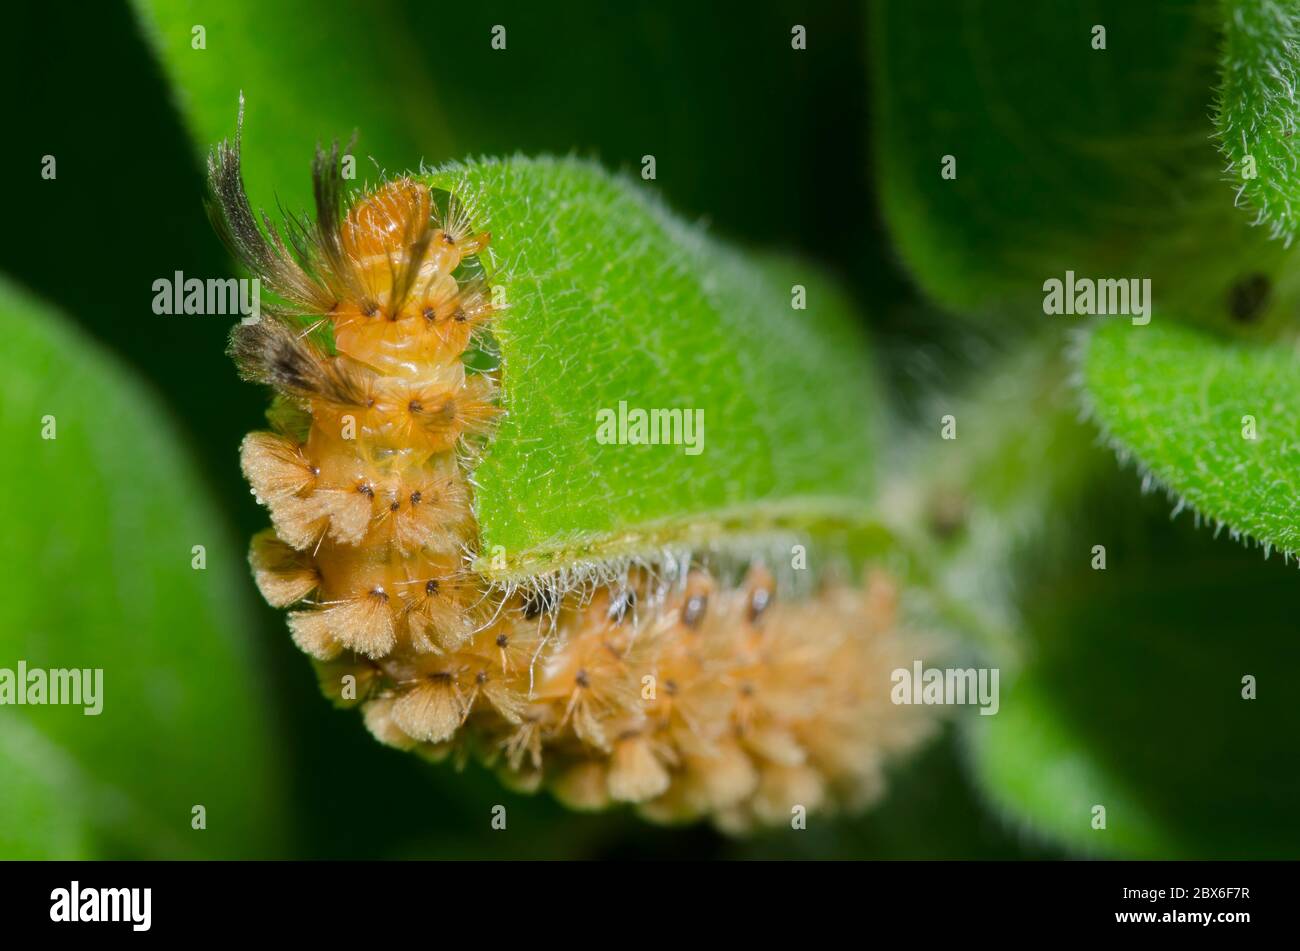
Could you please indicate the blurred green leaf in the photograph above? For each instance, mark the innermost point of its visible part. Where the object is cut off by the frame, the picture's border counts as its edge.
(614, 301)
(1067, 157)
(1256, 110)
(311, 73)
(1132, 696)
(100, 526)
(1212, 421)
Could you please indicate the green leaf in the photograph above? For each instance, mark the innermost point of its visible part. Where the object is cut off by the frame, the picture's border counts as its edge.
(1256, 109)
(1212, 421)
(1099, 161)
(1132, 698)
(285, 58)
(100, 523)
(614, 301)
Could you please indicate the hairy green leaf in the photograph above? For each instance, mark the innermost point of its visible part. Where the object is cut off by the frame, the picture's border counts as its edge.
(1067, 156)
(100, 527)
(311, 73)
(1212, 421)
(1257, 108)
(614, 303)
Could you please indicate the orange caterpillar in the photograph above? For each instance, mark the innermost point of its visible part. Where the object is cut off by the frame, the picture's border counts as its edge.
(675, 690)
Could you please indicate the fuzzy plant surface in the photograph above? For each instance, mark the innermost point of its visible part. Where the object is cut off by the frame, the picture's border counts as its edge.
(1206, 417)
(613, 301)
(1255, 111)
(1211, 422)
